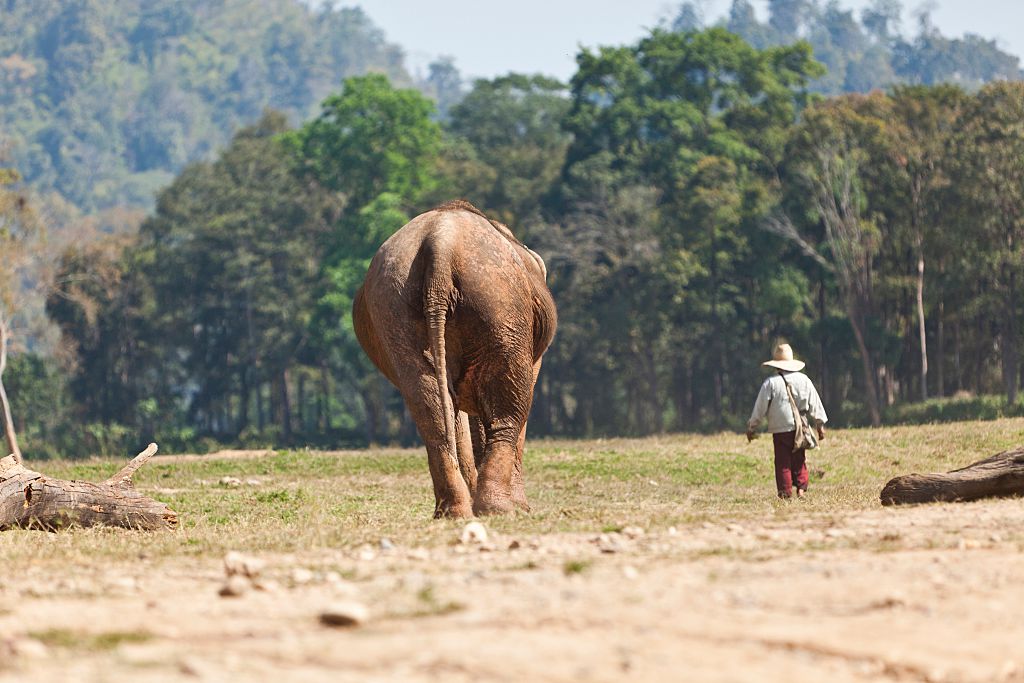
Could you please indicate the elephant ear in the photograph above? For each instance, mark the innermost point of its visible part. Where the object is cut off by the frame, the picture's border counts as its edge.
(545, 319)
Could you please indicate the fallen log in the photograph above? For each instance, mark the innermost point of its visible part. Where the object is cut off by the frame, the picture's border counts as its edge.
(1000, 476)
(30, 500)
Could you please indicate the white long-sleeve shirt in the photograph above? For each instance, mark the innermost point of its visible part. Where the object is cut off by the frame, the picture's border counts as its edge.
(773, 403)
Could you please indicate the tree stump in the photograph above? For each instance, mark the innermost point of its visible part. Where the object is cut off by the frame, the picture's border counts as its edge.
(1000, 476)
(31, 500)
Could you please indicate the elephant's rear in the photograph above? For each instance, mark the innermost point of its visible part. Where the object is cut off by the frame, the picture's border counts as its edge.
(455, 312)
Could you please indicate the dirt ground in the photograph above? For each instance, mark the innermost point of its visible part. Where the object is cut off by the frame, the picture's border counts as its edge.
(930, 593)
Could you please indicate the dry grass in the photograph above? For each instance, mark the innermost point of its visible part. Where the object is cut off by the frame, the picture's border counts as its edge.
(307, 501)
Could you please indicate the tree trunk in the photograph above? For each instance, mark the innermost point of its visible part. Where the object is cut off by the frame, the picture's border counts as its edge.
(10, 434)
(261, 419)
(300, 403)
(825, 377)
(281, 405)
(940, 355)
(1000, 476)
(956, 357)
(325, 391)
(870, 386)
(921, 326)
(1010, 365)
(32, 501)
(244, 396)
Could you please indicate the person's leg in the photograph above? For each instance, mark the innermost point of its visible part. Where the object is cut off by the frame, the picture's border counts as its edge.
(783, 443)
(799, 470)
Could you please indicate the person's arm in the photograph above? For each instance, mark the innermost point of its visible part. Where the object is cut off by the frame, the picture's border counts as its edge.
(760, 411)
(816, 411)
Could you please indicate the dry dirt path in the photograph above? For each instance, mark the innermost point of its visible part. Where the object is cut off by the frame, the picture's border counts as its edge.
(929, 593)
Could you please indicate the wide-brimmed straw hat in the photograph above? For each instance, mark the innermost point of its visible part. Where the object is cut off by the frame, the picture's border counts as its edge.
(783, 359)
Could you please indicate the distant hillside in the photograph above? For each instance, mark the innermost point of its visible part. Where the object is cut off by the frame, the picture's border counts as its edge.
(104, 101)
(867, 51)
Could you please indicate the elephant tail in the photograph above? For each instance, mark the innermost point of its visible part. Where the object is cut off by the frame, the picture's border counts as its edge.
(437, 297)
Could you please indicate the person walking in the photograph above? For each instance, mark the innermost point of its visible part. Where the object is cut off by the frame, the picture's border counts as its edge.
(773, 403)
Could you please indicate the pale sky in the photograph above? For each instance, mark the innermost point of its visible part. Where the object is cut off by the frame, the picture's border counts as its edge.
(492, 37)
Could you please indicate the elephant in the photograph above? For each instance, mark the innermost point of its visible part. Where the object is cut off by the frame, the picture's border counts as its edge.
(456, 313)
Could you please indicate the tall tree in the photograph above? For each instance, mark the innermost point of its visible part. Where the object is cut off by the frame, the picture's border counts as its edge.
(832, 150)
(988, 167)
(370, 139)
(19, 251)
(513, 126)
(703, 117)
(924, 122)
(377, 146)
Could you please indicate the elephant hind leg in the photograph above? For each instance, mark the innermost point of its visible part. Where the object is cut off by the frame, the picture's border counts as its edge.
(452, 495)
(467, 450)
(496, 476)
(518, 488)
(479, 438)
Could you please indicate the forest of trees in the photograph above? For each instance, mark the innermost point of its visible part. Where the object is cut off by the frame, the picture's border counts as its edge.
(695, 196)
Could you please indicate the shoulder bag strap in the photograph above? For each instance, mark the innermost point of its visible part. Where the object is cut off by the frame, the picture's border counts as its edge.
(792, 401)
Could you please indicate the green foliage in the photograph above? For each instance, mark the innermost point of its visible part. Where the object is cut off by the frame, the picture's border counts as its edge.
(371, 139)
(694, 201)
(865, 54)
(507, 146)
(104, 102)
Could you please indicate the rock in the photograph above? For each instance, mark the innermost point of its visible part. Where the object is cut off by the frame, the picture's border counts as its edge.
(386, 545)
(633, 532)
(192, 667)
(301, 576)
(893, 600)
(474, 533)
(608, 543)
(124, 583)
(28, 648)
(230, 482)
(236, 586)
(237, 564)
(367, 554)
(345, 614)
(266, 585)
(672, 531)
(418, 554)
(253, 482)
(515, 545)
(630, 572)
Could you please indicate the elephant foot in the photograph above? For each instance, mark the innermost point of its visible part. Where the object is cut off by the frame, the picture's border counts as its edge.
(492, 506)
(462, 510)
(519, 498)
(499, 503)
(490, 501)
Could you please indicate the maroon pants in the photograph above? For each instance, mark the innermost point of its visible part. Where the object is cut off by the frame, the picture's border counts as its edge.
(790, 467)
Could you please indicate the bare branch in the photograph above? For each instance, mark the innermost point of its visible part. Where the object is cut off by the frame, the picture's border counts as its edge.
(124, 477)
(781, 225)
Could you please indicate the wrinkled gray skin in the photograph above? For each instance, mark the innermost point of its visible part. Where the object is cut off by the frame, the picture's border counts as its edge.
(456, 313)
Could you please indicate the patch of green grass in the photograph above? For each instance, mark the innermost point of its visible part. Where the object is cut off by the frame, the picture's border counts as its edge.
(88, 642)
(429, 605)
(308, 501)
(572, 567)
